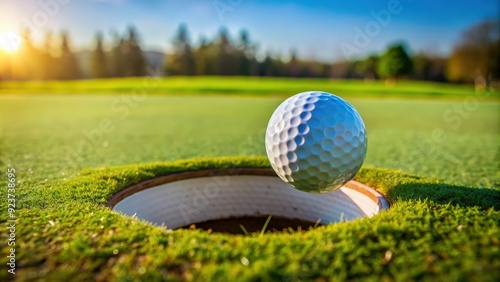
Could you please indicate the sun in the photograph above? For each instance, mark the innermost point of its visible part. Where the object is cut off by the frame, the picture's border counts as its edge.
(9, 41)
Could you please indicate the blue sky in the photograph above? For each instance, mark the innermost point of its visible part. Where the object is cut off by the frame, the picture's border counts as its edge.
(317, 29)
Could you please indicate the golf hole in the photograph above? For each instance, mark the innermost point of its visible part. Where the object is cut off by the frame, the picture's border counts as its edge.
(242, 200)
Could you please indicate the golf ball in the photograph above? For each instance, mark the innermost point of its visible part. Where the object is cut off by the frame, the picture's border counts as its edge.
(316, 141)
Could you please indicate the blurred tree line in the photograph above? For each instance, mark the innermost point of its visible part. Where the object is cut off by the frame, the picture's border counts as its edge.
(475, 57)
(227, 56)
(43, 63)
(50, 62)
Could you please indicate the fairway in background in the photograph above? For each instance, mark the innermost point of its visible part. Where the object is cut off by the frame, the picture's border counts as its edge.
(251, 86)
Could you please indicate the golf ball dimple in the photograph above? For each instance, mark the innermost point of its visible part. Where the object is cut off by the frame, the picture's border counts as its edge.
(316, 141)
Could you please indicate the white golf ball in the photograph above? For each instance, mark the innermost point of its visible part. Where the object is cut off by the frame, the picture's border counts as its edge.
(316, 141)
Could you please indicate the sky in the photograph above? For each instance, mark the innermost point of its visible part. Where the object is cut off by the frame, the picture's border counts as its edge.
(322, 30)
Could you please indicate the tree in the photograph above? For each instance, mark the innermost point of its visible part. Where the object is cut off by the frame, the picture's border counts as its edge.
(225, 61)
(394, 63)
(117, 58)
(340, 70)
(201, 57)
(99, 59)
(278, 66)
(266, 67)
(428, 67)
(477, 54)
(68, 64)
(368, 67)
(181, 62)
(421, 65)
(48, 63)
(27, 64)
(245, 54)
(5, 67)
(136, 63)
(293, 64)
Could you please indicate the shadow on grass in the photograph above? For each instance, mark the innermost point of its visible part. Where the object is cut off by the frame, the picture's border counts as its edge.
(445, 193)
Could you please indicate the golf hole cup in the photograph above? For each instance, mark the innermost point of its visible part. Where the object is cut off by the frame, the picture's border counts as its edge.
(316, 141)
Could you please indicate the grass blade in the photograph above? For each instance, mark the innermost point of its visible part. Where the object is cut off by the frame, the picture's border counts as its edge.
(265, 224)
(317, 223)
(244, 230)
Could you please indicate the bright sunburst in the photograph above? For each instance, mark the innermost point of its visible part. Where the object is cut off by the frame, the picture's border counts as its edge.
(10, 41)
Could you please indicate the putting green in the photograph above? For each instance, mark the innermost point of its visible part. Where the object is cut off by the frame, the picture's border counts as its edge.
(432, 231)
(49, 136)
(64, 231)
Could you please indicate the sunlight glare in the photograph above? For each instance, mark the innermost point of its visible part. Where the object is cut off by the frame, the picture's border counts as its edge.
(10, 41)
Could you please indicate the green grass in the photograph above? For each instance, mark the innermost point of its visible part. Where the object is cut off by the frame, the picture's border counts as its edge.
(39, 134)
(443, 224)
(66, 232)
(243, 85)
